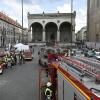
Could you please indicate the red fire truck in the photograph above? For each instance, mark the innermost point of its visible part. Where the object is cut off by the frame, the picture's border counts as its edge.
(69, 82)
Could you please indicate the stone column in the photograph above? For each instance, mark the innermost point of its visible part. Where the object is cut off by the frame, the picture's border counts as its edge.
(73, 36)
(43, 36)
(58, 35)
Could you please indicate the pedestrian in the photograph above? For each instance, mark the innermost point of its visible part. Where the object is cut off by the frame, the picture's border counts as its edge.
(48, 91)
(21, 57)
(15, 58)
(18, 58)
(12, 60)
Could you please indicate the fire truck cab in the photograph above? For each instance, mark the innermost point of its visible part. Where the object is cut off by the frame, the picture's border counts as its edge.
(45, 56)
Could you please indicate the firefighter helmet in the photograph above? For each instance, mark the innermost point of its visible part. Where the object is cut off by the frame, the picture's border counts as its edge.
(49, 84)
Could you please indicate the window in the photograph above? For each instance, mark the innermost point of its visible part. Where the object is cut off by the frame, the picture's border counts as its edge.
(97, 37)
(97, 30)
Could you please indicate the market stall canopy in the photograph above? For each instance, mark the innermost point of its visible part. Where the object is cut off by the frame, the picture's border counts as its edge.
(18, 45)
(21, 47)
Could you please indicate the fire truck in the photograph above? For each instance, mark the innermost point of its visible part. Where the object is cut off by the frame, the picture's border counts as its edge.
(73, 79)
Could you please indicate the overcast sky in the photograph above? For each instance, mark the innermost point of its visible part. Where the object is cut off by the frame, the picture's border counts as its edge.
(13, 9)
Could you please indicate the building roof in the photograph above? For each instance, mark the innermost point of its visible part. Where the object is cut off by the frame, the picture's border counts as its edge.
(9, 20)
(82, 30)
(43, 15)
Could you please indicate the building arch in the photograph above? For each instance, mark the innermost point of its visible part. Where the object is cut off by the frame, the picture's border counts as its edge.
(65, 32)
(51, 31)
(37, 31)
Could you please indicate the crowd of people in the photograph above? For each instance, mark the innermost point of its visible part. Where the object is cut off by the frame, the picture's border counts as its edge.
(11, 59)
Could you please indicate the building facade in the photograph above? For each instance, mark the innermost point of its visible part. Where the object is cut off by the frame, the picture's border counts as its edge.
(10, 30)
(81, 35)
(93, 20)
(48, 27)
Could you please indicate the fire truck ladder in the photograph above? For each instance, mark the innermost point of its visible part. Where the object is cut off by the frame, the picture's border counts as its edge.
(90, 70)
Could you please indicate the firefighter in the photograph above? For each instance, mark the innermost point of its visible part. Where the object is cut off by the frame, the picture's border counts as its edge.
(15, 58)
(12, 59)
(48, 91)
(9, 59)
(21, 58)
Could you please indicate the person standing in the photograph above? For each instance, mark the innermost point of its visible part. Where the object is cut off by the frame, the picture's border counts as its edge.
(48, 91)
(15, 58)
(9, 60)
(21, 56)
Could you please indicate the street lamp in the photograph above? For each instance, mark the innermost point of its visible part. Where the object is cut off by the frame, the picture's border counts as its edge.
(71, 21)
(22, 20)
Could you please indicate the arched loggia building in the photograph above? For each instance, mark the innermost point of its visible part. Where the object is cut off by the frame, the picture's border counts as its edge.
(37, 30)
(51, 31)
(65, 32)
(58, 27)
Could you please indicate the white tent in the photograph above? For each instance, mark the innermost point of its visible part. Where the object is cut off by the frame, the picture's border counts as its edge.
(21, 47)
(18, 45)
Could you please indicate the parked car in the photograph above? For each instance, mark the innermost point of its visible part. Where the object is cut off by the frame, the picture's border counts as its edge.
(2, 65)
(89, 54)
(97, 55)
(28, 55)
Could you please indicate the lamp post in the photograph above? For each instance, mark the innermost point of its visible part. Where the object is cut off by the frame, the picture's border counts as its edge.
(22, 21)
(71, 21)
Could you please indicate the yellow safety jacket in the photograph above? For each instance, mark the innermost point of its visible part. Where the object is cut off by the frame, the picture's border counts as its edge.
(8, 58)
(48, 92)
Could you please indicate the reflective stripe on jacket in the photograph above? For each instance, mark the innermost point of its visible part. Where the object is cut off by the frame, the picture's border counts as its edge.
(48, 92)
(8, 58)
